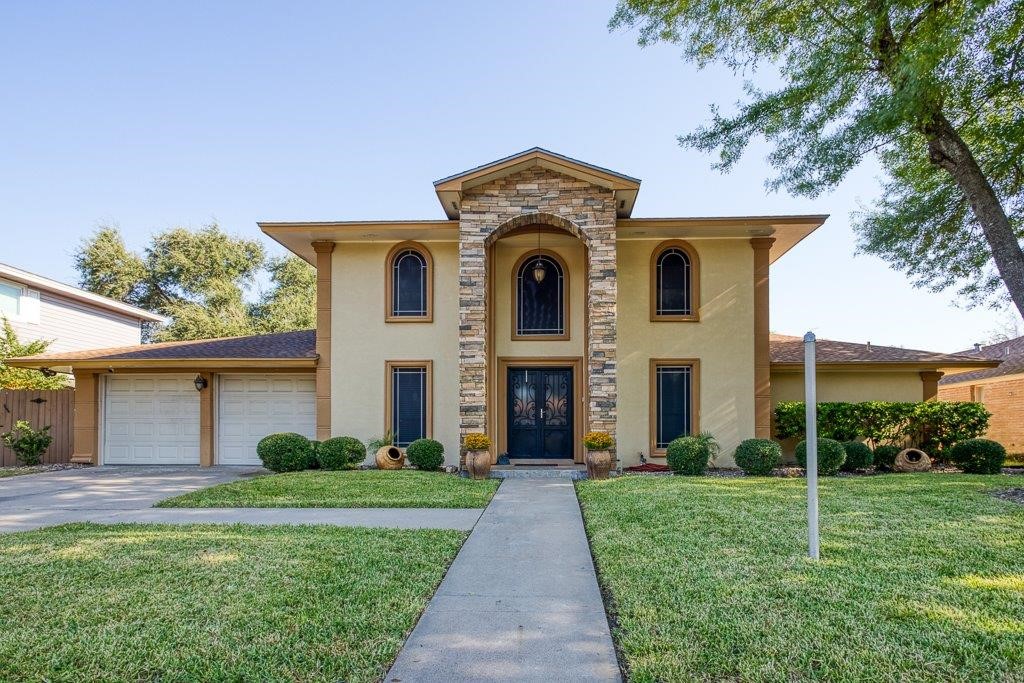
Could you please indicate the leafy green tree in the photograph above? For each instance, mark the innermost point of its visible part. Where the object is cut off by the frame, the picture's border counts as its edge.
(24, 378)
(934, 87)
(200, 280)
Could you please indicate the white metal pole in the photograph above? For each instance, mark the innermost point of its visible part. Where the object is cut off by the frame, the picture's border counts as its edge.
(811, 404)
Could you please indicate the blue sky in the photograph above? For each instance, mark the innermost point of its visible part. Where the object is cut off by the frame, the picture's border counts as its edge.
(150, 116)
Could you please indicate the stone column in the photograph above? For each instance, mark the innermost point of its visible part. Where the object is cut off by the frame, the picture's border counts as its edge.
(930, 384)
(602, 293)
(324, 254)
(762, 330)
(472, 327)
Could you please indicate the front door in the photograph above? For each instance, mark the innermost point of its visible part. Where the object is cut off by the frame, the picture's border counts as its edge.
(540, 413)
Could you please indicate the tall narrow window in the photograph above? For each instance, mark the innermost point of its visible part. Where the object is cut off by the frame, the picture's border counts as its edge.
(541, 289)
(673, 402)
(409, 287)
(675, 282)
(408, 401)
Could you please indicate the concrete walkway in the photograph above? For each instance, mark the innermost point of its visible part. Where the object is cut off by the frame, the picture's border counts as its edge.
(121, 495)
(520, 602)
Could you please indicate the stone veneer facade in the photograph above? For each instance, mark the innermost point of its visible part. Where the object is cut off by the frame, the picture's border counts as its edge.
(531, 197)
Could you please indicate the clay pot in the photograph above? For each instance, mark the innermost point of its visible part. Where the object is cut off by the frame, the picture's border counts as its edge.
(390, 458)
(912, 460)
(599, 464)
(478, 464)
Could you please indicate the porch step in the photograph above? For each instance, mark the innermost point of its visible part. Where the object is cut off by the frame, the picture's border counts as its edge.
(521, 472)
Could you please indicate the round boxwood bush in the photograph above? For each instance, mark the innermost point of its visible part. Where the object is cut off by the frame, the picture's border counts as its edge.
(341, 453)
(858, 456)
(885, 456)
(758, 457)
(831, 456)
(285, 452)
(689, 455)
(425, 454)
(978, 456)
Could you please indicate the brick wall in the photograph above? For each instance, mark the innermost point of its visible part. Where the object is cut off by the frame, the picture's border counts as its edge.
(537, 195)
(1004, 398)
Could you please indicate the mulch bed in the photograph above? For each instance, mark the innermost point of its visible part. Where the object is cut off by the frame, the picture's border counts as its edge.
(1012, 495)
(56, 467)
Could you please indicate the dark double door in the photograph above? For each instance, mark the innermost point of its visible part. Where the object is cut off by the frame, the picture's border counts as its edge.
(540, 414)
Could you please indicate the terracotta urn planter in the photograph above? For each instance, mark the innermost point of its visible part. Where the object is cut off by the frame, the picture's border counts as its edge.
(599, 464)
(478, 464)
(390, 458)
(912, 460)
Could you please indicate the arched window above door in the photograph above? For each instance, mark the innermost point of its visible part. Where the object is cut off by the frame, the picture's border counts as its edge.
(675, 282)
(541, 287)
(409, 284)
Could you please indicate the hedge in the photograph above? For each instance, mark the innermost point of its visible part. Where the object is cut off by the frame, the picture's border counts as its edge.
(341, 453)
(858, 456)
(285, 452)
(690, 454)
(757, 457)
(426, 454)
(978, 456)
(933, 426)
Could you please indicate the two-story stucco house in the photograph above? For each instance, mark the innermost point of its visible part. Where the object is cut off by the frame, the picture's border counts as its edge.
(536, 310)
(72, 319)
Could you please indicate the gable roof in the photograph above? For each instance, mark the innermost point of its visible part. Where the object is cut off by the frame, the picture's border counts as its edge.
(296, 348)
(787, 350)
(449, 189)
(23, 277)
(1010, 353)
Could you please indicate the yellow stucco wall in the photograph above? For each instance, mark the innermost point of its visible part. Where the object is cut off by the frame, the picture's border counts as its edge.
(723, 341)
(362, 342)
(849, 386)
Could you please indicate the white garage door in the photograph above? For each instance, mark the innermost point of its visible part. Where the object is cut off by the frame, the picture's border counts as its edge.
(253, 406)
(150, 420)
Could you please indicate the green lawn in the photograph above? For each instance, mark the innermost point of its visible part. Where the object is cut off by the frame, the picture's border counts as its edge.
(87, 602)
(345, 489)
(921, 578)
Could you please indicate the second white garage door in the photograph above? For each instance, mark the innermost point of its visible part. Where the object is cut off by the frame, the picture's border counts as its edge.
(150, 420)
(252, 406)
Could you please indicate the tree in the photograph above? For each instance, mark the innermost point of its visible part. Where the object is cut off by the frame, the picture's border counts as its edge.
(24, 378)
(201, 281)
(934, 88)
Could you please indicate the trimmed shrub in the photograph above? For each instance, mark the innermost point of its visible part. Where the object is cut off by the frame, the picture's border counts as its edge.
(425, 454)
(758, 457)
(285, 452)
(341, 453)
(885, 456)
(858, 456)
(978, 456)
(831, 456)
(690, 455)
(28, 444)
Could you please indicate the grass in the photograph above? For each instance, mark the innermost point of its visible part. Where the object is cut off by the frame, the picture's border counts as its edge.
(214, 603)
(344, 489)
(921, 578)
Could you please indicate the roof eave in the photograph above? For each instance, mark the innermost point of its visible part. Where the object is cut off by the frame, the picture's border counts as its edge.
(154, 363)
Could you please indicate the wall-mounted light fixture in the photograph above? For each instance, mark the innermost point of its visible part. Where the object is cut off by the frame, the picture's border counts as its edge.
(47, 372)
(200, 383)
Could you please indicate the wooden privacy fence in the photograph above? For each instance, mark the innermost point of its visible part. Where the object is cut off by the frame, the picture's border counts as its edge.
(54, 408)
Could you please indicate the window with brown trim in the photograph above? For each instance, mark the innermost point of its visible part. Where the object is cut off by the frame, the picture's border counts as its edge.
(409, 284)
(675, 282)
(674, 401)
(540, 286)
(408, 401)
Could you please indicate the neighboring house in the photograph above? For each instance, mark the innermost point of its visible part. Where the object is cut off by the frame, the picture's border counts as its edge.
(537, 310)
(72, 318)
(1001, 389)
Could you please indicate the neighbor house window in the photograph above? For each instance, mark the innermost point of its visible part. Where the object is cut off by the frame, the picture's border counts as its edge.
(675, 282)
(10, 300)
(409, 397)
(674, 396)
(541, 295)
(409, 287)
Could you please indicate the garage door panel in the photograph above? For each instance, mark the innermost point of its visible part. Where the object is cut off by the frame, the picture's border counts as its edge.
(252, 406)
(151, 420)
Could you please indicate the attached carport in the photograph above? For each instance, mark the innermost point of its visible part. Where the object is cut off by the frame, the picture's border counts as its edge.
(199, 402)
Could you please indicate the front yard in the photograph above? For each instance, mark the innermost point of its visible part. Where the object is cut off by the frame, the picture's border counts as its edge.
(342, 489)
(144, 602)
(921, 578)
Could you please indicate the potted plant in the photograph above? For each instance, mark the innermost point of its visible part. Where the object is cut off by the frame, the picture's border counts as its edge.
(386, 454)
(599, 454)
(478, 454)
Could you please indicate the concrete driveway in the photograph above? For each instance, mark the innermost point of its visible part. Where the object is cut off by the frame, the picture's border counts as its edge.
(113, 493)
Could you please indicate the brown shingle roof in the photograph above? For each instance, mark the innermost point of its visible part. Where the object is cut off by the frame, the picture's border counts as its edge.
(280, 345)
(1010, 353)
(787, 349)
